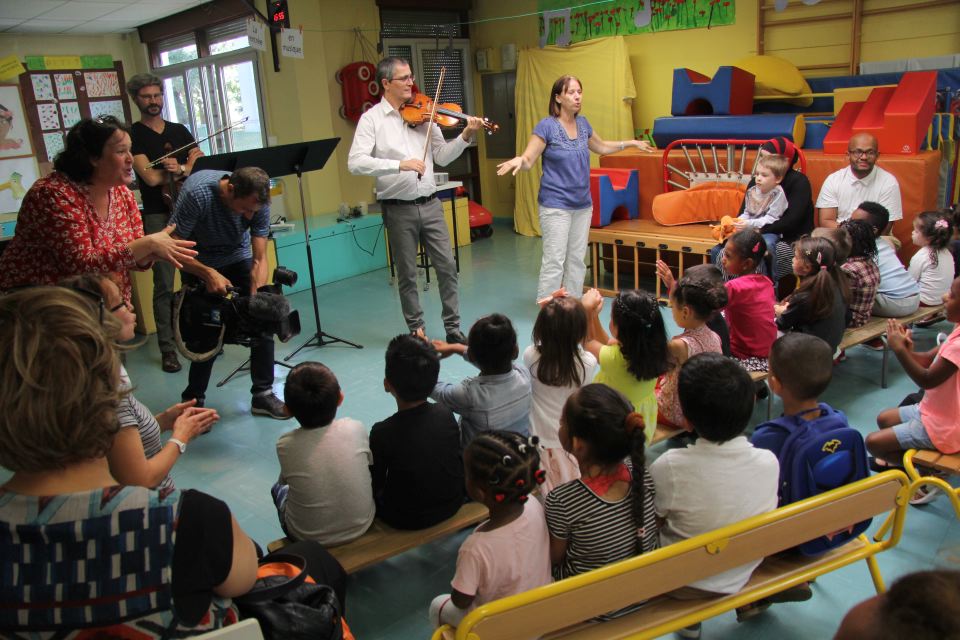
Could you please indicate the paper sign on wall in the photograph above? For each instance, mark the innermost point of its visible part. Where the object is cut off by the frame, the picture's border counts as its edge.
(10, 67)
(257, 35)
(291, 43)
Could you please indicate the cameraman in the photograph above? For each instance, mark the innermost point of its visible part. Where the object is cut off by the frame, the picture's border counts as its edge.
(228, 215)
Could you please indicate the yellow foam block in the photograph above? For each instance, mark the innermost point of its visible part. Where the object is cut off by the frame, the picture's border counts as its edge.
(843, 95)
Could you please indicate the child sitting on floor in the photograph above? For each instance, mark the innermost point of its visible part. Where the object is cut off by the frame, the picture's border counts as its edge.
(636, 356)
(499, 398)
(750, 299)
(607, 514)
(693, 300)
(323, 493)
(417, 467)
(819, 305)
(558, 366)
(510, 552)
(719, 479)
(934, 423)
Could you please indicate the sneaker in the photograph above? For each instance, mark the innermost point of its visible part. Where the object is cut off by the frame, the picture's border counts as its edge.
(169, 362)
(925, 495)
(693, 631)
(456, 337)
(198, 405)
(800, 593)
(752, 610)
(839, 356)
(269, 405)
(877, 344)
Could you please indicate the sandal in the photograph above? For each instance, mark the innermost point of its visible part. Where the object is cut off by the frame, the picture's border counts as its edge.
(925, 495)
(880, 465)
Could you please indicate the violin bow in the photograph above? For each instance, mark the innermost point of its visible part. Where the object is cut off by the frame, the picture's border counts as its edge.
(433, 111)
(154, 163)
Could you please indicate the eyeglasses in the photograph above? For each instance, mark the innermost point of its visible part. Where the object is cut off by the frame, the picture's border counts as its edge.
(121, 305)
(862, 153)
(407, 78)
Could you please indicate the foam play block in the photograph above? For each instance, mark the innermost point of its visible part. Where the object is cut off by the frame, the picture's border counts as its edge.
(898, 116)
(843, 95)
(616, 195)
(729, 92)
(752, 127)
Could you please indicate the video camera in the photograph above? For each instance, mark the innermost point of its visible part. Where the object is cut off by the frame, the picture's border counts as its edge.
(202, 320)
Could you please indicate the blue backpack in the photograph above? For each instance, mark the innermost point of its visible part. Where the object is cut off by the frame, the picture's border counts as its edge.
(816, 456)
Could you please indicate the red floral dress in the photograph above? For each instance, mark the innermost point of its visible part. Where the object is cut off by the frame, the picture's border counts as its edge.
(59, 234)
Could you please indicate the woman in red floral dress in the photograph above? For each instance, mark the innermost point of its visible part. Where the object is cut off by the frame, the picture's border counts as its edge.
(82, 218)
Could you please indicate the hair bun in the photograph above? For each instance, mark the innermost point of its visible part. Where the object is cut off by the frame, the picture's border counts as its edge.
(632, 422)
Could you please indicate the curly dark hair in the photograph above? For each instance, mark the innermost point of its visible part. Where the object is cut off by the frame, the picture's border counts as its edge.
(85, 142)
(863, 242)
(937, 228)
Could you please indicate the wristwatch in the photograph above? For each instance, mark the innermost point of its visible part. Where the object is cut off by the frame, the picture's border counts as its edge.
(180, 444)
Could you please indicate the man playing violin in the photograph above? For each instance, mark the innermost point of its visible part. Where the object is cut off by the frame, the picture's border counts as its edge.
(152, 138)
(388, 149)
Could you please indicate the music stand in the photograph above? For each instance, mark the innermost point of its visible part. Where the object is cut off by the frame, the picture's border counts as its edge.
(296, 158)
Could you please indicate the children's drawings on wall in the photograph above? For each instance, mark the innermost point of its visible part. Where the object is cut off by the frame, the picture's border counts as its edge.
(42, 87)
(562, 25)
(17, 175)
(14, 137)
(107, 108)
(101, 84)
(70, 112)
(49, 116)
(66, 90)
(53, 143)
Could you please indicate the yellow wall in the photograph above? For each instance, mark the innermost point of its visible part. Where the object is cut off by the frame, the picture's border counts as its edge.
(123, 47)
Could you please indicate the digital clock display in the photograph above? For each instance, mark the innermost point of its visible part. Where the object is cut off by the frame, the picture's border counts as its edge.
(279, 13)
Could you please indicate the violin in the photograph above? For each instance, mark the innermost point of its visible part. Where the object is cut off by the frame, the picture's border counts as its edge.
(170, 190)
(448, 114)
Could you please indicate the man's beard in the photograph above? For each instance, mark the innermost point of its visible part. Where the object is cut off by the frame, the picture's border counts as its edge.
(151, 110)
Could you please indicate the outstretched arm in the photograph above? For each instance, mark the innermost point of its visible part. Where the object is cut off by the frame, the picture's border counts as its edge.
(601, 147)
(525, 160)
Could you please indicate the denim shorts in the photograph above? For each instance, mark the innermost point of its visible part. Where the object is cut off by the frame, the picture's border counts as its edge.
(911, 433)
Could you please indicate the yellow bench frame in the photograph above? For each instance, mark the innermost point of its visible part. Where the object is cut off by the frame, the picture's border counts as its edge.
(558, 610)
(945, 462)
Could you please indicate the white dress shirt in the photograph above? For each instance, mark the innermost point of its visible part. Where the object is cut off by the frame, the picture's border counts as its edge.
(383, 140)
(845, 191)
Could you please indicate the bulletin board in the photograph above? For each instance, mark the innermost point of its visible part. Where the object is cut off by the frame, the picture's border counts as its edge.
(18, 169)
(56, 99)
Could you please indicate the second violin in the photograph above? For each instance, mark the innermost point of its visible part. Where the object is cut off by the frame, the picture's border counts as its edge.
(448, 114)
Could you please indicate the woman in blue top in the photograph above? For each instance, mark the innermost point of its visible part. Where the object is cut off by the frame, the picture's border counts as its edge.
(565, 139)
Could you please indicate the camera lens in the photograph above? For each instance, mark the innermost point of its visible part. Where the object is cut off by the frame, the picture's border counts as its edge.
(284, 276)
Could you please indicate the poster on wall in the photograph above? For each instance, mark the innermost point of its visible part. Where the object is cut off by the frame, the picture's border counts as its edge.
(101, 84)
(14, 139)
(561, 24)
(107, 108)
(66, 90)
(16, 176)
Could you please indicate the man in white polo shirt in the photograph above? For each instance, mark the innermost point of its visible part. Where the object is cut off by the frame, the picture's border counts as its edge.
(844, 190)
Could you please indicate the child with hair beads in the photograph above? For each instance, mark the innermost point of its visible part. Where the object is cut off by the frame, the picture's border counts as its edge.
(607, 514)
(323, 493)
(693, 300)
(510, 552)
(862, 270)
(417, 469)
(932, 265)
(819, 304)
(719, 479)
(750, 299)
(499, 398)
(637, 355)
(558, 366)
(934, 423)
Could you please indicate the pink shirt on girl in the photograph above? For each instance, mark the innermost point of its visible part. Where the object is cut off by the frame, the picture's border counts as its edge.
(940, 407)
(508, 560)
(750, 316)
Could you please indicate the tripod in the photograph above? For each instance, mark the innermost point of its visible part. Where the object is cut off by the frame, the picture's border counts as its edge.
(296, 158)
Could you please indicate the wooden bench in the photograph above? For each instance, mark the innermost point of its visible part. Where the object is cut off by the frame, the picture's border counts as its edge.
(876, 327)
(381, 541)
(559, 610)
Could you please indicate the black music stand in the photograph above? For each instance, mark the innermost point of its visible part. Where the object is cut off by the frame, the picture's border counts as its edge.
(296, 158)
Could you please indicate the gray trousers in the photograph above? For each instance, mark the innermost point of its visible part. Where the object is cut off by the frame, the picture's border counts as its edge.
(410, 225)
(887, 307)
(163, 273)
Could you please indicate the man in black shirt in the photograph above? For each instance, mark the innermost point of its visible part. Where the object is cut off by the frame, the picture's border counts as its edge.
(152, 138)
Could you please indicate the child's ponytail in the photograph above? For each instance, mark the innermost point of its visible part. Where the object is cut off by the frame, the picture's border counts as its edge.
(634, 427)
(825, 279)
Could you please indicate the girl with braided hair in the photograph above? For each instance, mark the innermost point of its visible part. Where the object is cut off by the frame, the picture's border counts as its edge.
(608, 514)
(862, 270)
(636, 355)
(509, 553)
